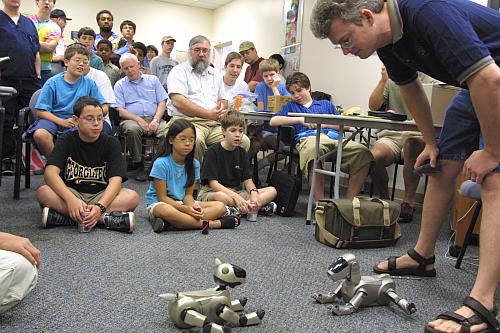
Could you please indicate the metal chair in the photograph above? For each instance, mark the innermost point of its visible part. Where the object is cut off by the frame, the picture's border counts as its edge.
(4, 91)
(471, 190)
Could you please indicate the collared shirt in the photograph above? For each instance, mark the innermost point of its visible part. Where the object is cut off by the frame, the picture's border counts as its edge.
(112, 72)
(48, 31)
(20, 43)
(252, 73)
(450, 40)
(140, 97)
(104, 84)
(202, 89)
(114, 39)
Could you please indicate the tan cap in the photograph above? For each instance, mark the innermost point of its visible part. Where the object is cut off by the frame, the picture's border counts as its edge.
(247, 45)
(167, 38)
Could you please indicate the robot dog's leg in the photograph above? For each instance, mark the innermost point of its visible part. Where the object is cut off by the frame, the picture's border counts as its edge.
(194, 318)
(351, 306)
(237, 305)
(248, 319)
(326, 298)
(407, 307)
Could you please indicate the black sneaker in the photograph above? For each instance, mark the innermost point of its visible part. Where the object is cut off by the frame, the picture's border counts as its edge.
(268, 209)
(7, 167)
(120, 221)
(232, 211)
(158, 224)
(52, 218)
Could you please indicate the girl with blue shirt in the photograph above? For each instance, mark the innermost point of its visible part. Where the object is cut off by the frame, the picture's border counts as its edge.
(173, 175)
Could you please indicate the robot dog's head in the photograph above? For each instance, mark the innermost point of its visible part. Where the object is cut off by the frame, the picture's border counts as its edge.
(228, 274)
(341, 267)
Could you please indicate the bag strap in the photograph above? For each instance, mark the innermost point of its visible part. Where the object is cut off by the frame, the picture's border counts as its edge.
(356, 204)
(324, 234)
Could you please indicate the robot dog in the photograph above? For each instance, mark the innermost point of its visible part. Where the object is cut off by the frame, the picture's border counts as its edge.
(211, 308)
(353, 290)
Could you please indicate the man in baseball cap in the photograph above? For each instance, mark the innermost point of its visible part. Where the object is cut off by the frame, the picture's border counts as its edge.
(163, 64)
(250, 56)
(58, 16)
(59, 13)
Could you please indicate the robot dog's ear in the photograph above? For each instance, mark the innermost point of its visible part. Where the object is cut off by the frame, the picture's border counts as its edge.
(217, 261)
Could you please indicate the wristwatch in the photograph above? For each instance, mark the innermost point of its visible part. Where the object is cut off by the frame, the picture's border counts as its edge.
(101, 207)
(254, 189)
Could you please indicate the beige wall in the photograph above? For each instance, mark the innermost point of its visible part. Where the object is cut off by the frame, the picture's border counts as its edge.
(154, 19)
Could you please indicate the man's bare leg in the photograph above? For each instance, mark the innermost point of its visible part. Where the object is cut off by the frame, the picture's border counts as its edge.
(356, 181)
(411, 149)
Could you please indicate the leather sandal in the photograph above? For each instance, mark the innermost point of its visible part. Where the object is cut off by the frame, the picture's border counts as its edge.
(417, 271)
(229, 222)
(482, 315)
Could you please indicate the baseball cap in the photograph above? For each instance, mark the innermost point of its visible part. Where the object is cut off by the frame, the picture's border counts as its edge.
(167, 38)
(247, 45)
(57, 13)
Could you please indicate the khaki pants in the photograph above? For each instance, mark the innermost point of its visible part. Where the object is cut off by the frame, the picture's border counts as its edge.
(133, 136)
(17, 278)
(206, 191)
(208, 132)
(354, 155)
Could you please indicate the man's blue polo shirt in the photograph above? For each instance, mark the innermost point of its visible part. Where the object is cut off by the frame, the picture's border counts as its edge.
(317, 107)
(449, 40)
(20, 43)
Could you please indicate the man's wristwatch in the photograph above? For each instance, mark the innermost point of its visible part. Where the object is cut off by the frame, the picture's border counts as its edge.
(254, 189)
(101, 207)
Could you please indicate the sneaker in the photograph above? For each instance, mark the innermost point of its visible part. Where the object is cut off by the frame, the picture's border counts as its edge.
(406, 214)
(7, 167)
(232, 211)
(158, 224)
(52, 218)
(120, 221)
(268, 209)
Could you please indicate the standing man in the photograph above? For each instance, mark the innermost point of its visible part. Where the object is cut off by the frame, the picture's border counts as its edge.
(49, 34)
(161, 65)
(22, 71)
(105, 23)
(457, 42)
(197, 92)
(140, 100)
(250, 56)
(127, 29)
(58, 16)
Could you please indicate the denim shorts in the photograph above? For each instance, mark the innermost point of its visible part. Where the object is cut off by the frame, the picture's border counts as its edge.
(461, 134)
(57, 130)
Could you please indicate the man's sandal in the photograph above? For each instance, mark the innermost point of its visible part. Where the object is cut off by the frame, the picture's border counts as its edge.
(418, 271)
(482, 315)
(229, 222)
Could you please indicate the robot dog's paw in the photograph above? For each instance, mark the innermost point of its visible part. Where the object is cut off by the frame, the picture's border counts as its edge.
(254, 318)
(215, 328)
(325, 298)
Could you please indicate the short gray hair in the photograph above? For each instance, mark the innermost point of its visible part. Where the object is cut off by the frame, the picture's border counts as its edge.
(325, 11)
(199, 39)
(127, 56)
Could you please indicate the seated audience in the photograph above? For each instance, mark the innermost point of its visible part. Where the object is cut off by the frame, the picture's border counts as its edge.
(83, 177)
(174, 174)
(106, 90)
(281, 61)
(391, 146)
(54, 106)
(252, 73)
(226, 167)
(104, 50)
(19, 260)
(105, 22)
(86, 36)
(163, 64)
(152, 52)
(140, 100)
(127, 29)
(356, 158)
(232, 85)
(197, 92)
(139, 49)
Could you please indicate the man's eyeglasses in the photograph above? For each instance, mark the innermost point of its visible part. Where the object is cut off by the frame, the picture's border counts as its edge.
(183, 139)
(91, 120)
(346, 43)
(48, 1)
(80, 61)
(200, 50)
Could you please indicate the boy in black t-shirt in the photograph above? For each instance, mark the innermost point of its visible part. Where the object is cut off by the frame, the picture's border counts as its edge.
(84, 174)
(226, 167)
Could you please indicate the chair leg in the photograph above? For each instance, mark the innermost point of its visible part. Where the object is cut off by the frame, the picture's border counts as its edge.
(17, 170)
(27, 163)
(468, 235)
(396, 166)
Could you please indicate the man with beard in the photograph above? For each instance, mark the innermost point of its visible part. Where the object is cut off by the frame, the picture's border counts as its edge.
(105, 22)
(197, 92)
(140, 100)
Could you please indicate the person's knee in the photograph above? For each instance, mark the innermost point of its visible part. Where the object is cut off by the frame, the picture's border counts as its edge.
(131, 198)
(490, 188)
(220, 196)
(42, 136)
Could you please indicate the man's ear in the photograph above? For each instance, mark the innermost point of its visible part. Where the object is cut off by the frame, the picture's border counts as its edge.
(75, 119)
(368, 15)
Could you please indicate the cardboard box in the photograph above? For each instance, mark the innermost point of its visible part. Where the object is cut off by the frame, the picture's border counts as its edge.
(275, 103)
(442, 95)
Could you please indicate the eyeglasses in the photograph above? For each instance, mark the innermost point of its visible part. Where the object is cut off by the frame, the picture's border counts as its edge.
(183, 139)
(346, 43)
(200, 50)
(91, 120)
(80, 61)
(48, 1)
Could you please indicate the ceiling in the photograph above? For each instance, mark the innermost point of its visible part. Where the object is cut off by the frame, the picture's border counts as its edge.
(208, 4)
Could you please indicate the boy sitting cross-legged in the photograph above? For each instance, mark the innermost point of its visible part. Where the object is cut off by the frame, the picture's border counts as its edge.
(356, 158)
(226, 167)
(84, 174)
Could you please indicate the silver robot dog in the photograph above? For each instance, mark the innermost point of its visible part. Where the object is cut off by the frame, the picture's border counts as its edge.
(210, 308)
(353, 290)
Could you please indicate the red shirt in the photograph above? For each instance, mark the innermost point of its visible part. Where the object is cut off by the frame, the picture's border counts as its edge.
(252, 73)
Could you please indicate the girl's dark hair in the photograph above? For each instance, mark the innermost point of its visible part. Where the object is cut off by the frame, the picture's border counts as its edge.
(165, 150)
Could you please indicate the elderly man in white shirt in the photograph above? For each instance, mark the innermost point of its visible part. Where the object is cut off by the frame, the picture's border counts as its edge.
(197, 91)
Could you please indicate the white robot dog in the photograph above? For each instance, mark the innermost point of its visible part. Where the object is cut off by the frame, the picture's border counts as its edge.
(211, 308)
(353, 290)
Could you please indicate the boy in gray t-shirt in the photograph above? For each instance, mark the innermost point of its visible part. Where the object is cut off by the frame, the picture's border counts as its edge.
(162, 65)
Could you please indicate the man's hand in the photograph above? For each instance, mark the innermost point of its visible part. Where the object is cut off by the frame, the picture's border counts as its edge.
(240, 203)
(254, 201)
(428, 155)
(216, 112)
(308, 125)
(153, 126)
(478, 165)
(91, 216)
(276, 81)
(68, 123)
(144, 125)
(196, 211)
(76, 209)
(22, 246)
(383, 74)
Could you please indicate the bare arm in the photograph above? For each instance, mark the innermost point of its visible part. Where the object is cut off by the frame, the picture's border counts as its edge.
(376, 99)
(252, 85)
(110, 193)
(160, 110)
(161, 192)
(49, 46)
(22, 246)
(43, 114)
(283, 120)
(125, 114)
(38, 64)
(238, 201)
(191, 109)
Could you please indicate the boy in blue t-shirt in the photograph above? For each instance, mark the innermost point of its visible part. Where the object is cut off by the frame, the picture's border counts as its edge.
(271, 86)
(356, 158)
(55, 104)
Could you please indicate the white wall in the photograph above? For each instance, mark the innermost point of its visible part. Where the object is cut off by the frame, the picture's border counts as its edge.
(154, 19)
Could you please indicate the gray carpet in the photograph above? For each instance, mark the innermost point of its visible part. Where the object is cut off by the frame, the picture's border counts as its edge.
(107, 281)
